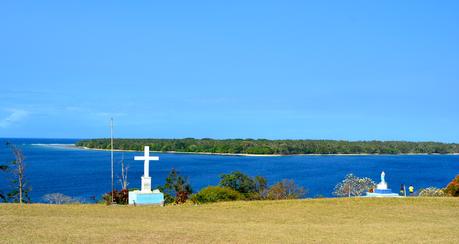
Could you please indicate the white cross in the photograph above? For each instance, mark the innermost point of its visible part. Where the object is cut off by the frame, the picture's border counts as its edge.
(146, 158)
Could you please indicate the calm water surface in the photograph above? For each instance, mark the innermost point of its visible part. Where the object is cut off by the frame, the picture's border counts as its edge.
(86, 173)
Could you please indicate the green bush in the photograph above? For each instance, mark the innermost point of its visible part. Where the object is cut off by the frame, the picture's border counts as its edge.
(216, 194)
(177, 188)
(432, 192)
(239, 182)
(251, 188)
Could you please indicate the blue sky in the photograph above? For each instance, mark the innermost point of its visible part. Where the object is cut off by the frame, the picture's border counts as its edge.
(353, 70)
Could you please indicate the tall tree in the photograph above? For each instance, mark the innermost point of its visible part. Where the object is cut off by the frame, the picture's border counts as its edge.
(21, 189)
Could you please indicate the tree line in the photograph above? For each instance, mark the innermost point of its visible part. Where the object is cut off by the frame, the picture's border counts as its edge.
(233, 186)
(282, 147)
(237, 186)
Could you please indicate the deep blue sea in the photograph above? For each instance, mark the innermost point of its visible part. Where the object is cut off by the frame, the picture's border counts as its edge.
(86, 173)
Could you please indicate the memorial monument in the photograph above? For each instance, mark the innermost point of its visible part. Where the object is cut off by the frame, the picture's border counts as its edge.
(381, 189)
(146, 195)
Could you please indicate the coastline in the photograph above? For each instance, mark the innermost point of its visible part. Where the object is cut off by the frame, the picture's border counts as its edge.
(72, 146)
(197, 153)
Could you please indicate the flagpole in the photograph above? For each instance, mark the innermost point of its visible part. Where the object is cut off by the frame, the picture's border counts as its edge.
(111, 142)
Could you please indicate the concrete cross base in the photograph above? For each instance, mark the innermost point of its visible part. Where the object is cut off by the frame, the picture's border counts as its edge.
(146, 185)
(144, 198)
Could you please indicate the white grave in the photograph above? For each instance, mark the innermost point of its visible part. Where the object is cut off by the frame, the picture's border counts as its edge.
(381, 189)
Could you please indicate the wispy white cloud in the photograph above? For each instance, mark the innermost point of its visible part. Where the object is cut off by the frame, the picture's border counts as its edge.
(91, 112)
(106, 114)
(16, 115)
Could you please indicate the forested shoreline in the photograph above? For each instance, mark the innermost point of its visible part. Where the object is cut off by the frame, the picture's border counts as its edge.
(274, 147)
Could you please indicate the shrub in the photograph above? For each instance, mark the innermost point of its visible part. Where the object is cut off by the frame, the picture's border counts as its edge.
(252, 188)
(285, 189)
(216, 194)
(120, 197)
(58, 198)
(261, 186)
(177, 188)
(432, 192)
(353, 186)
(238, 181)
(181, 197)
(452, 188)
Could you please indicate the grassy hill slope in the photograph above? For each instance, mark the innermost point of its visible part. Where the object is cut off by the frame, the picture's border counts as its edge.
(318, 220)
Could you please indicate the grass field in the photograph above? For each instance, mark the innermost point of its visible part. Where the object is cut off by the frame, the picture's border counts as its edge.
(419, 220)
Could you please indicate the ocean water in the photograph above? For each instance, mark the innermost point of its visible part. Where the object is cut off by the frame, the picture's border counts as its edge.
(85, 174)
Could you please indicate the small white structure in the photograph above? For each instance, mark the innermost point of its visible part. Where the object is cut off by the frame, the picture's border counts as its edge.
(382, 185)
(146, 195)
(382, 190)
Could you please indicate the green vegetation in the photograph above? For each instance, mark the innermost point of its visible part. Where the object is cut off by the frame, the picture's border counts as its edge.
(285, 189)
(216, 194)
(339, 220)
(250, 188)
(177, 188)
(119, 197)
(239, 186)
(282, 147)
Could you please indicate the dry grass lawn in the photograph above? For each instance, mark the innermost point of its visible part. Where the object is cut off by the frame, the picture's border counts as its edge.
(410, 220)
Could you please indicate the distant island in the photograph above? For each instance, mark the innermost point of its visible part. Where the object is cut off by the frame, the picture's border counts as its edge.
(273, 147)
